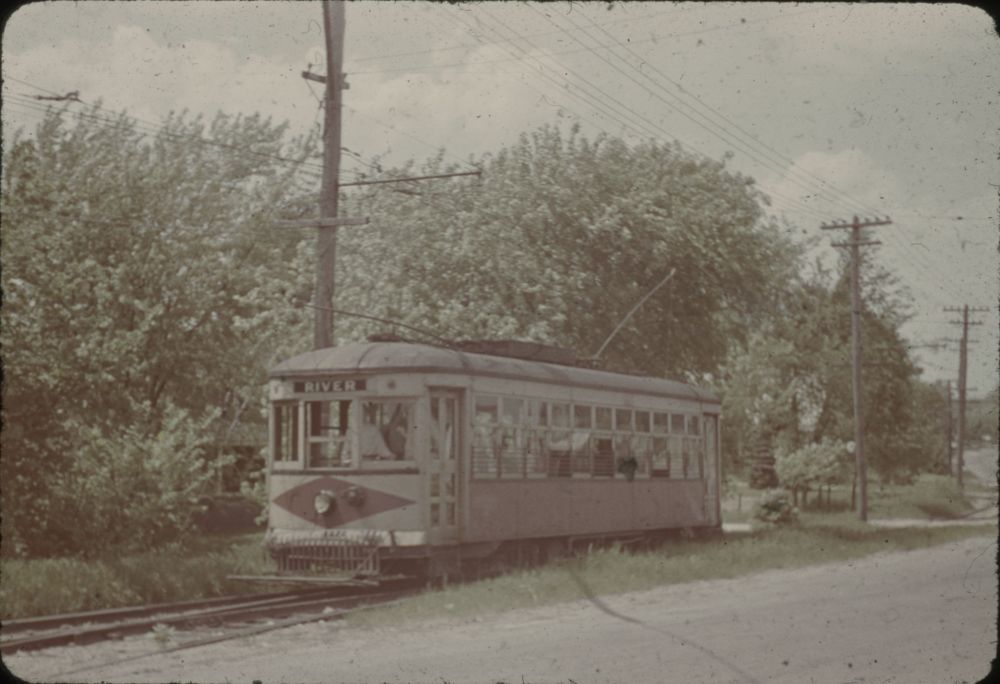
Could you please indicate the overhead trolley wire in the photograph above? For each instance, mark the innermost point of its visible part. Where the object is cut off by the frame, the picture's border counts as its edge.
(794, 174)
(649, 128)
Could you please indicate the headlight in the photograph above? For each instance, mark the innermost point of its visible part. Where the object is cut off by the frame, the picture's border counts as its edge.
(324, 502)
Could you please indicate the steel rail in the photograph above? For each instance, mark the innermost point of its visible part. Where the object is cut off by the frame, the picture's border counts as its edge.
(280, 604)
(379, 599)
(43, 622)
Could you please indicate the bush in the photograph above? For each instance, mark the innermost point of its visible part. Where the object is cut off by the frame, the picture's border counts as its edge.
(131, 490)
(822, 463)
(775, 507)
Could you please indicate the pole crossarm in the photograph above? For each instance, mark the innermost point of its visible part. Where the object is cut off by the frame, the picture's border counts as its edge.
(323, 222)
(412, 178)
(856, 244)
(856, 223)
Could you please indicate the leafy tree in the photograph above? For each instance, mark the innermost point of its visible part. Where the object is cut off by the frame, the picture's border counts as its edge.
(791, 382)
(983, 417)
(560, 237)
(131, 264)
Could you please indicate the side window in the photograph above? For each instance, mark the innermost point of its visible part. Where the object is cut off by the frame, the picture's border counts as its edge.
(285, 431)
(386, 431)
(559, 439)
(511, 436)
(486, 416)
(535, 426)
(582, 449)
(603, 443)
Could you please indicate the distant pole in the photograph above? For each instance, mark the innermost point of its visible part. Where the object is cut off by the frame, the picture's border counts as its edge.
(951, 431)
(326, 238)
(861, 467)
(963, 367)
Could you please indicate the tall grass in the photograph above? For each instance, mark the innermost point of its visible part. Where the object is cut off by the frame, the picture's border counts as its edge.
(614, 571)
(174, 573)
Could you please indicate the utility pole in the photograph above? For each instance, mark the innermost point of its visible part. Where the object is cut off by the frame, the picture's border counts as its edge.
(951, 431)
(327, 222)
(963, 366)
(861, 468)
(326, 238)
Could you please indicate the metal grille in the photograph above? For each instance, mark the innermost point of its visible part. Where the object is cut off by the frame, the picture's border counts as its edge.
(329, 553)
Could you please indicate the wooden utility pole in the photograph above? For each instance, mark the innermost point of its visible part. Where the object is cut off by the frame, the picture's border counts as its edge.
(861, 468)
(963, 366)
(951, 431)
(326, 238)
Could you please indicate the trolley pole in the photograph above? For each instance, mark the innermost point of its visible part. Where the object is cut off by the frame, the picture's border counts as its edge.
(861, 468)
(326, 238)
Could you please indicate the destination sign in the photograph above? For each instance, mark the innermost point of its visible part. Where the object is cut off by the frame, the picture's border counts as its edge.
(329, 385)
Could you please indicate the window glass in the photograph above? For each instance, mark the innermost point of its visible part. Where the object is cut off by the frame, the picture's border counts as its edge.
(487, 408)
(661, 457)
(286, 431)
(623, 420)
(543, 413)
(642, 421)
(604, 457)
(677, 457)
(558, 442)
(661, 423)
(677, 424)
(484, 450)
(328, 434)
(603, 418)
(442, 428)
(693, 427)
(581, 416)
(513, 411)
(386, 430)
(560, 415)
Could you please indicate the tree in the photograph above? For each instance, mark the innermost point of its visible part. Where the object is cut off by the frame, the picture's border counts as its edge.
(791, 382)
(983, 419)
(559, 238)
(130, 261)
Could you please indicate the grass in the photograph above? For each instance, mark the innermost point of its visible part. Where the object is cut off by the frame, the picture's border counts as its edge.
(198, 569)
(816, 540)
(929, 496)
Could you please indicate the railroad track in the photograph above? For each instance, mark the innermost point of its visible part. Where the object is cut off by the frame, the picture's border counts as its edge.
(93, 626)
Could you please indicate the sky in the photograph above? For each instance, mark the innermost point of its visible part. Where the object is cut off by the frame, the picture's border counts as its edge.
(839, 109)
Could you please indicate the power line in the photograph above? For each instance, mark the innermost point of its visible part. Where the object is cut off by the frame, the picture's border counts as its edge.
(468, 46)
(705, 122)
(659, 37)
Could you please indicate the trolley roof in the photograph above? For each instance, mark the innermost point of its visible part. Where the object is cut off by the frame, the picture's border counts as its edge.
(406, 357)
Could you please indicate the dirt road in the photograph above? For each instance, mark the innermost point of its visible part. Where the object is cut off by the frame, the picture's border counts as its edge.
(920, 616)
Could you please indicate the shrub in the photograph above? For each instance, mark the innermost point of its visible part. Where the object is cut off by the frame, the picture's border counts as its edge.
(131, 490)
(822, 463)
(775, 507)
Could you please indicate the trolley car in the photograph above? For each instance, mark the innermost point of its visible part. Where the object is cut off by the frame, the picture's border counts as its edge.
(391, 458)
